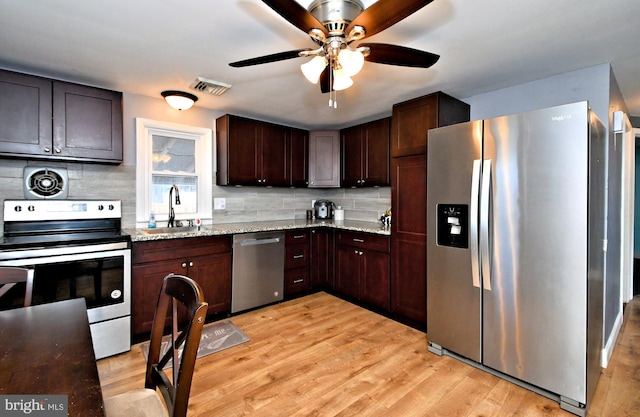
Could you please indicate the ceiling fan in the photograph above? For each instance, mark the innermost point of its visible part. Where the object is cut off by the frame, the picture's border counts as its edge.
(334, 25)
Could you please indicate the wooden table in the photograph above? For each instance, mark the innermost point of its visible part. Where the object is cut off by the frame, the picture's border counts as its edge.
(47, 350)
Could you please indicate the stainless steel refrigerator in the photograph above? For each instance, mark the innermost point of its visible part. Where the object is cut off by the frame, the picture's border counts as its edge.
(515, 248)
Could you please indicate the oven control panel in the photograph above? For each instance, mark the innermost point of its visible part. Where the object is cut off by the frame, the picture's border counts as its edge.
(37, 210)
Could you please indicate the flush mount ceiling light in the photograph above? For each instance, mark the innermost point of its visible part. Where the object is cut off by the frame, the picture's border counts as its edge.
(179, 100)
(337, 27)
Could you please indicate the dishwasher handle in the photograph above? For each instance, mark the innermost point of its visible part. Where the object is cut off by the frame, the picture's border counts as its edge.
(266, 241)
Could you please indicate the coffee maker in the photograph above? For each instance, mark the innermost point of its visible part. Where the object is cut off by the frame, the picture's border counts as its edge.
(323, 209)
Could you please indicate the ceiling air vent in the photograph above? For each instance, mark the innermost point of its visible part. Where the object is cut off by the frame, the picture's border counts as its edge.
(212, 87)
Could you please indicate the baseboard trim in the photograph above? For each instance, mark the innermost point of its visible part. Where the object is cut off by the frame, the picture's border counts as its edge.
(607, 351)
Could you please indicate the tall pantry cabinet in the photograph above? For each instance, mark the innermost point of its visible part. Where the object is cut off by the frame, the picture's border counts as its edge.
(410, 122)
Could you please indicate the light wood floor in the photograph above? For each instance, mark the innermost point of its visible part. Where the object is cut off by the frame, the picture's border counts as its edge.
(322, 356)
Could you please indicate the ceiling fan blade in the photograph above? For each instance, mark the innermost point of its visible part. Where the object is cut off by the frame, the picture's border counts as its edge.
(325, 81)
(297, 15)
(383, 53)
(280, 56)
(384, 13)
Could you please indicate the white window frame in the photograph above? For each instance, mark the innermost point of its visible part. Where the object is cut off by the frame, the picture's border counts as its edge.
(203, 137)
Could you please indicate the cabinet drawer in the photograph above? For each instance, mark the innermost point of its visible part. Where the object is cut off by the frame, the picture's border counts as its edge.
(161, 250)
(296, 256)
(293, 237)
(363, 240)
(296, 280)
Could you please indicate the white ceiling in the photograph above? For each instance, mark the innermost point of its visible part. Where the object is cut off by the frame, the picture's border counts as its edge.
(147, 46)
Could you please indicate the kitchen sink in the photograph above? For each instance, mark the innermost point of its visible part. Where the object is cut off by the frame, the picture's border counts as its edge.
(165, 230)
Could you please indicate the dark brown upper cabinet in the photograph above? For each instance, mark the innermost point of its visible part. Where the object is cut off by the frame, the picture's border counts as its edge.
(299, 160)
(412, 119)
(252, 152)
(365, 154)
(55, 120)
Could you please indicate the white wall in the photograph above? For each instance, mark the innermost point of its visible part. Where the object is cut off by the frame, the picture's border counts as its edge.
(590, 84)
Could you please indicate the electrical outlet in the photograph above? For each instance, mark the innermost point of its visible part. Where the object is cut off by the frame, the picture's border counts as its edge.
(219, 203)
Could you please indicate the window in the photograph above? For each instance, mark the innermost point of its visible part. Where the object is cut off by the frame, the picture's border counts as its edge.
(171, 154)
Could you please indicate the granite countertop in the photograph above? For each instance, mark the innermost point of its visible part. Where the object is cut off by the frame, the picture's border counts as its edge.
(138, 235)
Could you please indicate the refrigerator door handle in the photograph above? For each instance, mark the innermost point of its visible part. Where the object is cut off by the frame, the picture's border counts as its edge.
(473, 223)
(485, 213)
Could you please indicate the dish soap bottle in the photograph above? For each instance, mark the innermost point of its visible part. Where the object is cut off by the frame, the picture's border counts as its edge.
(152, 221)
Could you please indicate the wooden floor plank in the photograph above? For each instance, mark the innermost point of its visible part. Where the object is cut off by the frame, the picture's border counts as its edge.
(322, 356)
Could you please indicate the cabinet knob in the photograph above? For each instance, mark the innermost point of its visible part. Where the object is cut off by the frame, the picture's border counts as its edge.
(47, 149)
(58, 150)
(184, 265)
(190, 263)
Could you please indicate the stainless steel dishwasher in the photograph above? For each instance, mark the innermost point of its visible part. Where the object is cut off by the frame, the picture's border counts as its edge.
(258, 270)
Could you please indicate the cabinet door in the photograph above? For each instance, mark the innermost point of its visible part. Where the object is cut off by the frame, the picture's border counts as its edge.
(87, 123)
(348, 270)
(273, 154)
(410, 123)
(146, 284)
(375, 282)
(408, 237)
(375, 142)
(412, 119)
(299, 158)
(213, 274)
(25, 114)
(322, 258)
(351, 156)
(324, 159)
(243, 151)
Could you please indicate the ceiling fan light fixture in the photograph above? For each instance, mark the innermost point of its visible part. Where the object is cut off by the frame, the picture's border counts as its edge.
(341, 81)
(313, 68)
(179, 100)
(351, 61)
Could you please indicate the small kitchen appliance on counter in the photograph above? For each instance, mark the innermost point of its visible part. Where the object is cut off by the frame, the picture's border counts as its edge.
(323, 209)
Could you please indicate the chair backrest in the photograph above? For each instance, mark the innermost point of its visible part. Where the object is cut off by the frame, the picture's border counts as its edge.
(176, 289)
(10, 276)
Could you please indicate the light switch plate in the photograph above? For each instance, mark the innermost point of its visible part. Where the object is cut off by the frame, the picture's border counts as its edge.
(219, 203)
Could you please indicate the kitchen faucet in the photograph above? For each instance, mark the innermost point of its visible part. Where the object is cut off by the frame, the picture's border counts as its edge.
(172, 214)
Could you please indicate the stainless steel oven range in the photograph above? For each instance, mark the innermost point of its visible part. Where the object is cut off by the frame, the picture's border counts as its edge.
(77, 250)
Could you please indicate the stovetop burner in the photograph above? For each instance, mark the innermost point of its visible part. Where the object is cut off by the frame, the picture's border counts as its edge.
(49, 223)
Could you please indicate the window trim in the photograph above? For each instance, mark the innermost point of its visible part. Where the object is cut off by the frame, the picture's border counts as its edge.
(145, 129)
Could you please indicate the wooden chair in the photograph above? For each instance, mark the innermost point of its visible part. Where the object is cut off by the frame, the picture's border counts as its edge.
(10, 276)
(146, 402)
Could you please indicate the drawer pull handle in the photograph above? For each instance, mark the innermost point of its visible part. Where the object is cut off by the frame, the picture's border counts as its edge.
(358, 240)
(298, 281)
(298, 236)
(298, 256)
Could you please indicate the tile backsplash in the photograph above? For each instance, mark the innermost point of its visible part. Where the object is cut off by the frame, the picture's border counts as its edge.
(95, 181)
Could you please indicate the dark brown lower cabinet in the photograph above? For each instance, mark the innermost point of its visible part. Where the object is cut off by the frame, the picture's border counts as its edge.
(322, 261)
(207, 260)
(296, 262)
(362, 267)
